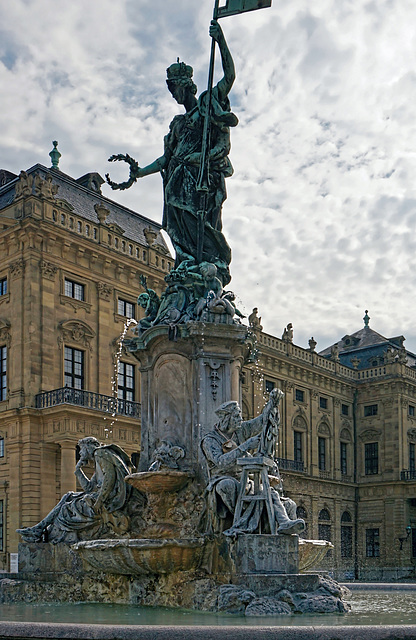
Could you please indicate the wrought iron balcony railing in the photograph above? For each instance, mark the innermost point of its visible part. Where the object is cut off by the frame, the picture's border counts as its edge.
(408, 475)
(290, 465)
(89, 400)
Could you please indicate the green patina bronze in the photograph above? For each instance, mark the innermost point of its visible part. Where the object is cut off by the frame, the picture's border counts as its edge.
(55, 155)
(194, 167)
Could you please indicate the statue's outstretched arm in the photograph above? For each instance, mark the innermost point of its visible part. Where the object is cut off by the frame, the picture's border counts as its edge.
(158, 165)
(135, 171)
(225, 84)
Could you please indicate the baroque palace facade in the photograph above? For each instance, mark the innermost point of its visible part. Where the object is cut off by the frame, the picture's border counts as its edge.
(70, 269)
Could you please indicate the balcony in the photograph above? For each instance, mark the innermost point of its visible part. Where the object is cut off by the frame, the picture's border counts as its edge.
(88, 400)
(408, 475)
(290, 465)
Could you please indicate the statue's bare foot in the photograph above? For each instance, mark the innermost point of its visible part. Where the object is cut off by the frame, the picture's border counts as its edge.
(292, 526)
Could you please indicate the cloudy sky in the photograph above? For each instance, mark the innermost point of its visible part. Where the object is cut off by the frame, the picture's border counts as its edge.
(321, 210)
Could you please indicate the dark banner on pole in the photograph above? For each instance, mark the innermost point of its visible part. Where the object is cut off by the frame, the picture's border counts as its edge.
(233, 7)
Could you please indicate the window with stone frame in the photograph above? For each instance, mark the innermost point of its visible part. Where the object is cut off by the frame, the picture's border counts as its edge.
(346, 535)
(370, 410)
(324, 528)
(372, 543)
(298, 446)
(412, 458)
(412, 410)
(3, 373)
(322, 462)
(371, 458)
(2, 527)
(269, 385)
(126, 381)
(3, 286)
(299, 395)
(344, 458)
(126, 308)
(74, 289)
(323, 402)
(74, 375)
(1, 447)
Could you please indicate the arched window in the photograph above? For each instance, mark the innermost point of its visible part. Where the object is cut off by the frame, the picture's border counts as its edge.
(299, 436)
(324, 433)
(324, 527)
(346, 535)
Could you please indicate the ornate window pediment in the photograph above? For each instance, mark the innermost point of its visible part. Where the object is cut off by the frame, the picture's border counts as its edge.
(324, 429)
(299, 423)
(411, 434)
(5, 331)
(76, 331)
(370, 435)
(345, 435)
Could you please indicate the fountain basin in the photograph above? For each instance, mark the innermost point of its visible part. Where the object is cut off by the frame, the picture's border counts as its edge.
(311, 552)
(141, 556)
(166, 481)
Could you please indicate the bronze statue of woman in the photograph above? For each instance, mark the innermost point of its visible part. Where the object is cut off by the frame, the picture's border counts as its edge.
(181, 160)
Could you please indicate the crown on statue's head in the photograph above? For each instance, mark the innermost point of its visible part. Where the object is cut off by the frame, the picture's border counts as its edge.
(179, 71)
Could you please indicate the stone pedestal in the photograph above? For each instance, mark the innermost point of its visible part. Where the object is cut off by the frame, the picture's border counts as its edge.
(254, 553)
(251, 554)
(183, 382)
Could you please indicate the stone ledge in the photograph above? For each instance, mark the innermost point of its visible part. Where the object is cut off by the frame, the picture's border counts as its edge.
(266, 584)
(28, 630)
